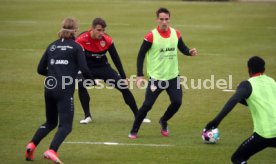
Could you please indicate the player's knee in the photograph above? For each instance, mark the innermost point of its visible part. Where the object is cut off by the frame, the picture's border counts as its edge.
(177, 102)
(66, 129)
(51, 125)
(146, 107)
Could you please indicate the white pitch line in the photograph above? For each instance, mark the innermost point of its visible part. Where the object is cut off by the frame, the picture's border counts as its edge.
(118, 144)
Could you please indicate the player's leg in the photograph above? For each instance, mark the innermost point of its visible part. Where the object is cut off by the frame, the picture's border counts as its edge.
(248, 148)
(175, 93)
(111, 77)
(66, 114)
(152, 92)
(272, 142)
(44, 129)
(51, 119)
(85, 100)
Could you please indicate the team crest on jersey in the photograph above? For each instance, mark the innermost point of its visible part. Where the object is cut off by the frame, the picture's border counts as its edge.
(102, 43)
(53, 48)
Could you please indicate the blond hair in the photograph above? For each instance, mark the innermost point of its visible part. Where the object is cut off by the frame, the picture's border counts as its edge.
(69, 27)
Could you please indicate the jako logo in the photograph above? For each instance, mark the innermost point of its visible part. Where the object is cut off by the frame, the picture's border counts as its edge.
(65, 62)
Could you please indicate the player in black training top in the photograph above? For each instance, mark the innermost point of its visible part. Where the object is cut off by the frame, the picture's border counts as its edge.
(60, 64)
(96, 44)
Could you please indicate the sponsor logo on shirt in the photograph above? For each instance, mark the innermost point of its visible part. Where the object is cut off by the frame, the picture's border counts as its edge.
(62, 62)
(64, 48)
(96, 55)
(167, 49)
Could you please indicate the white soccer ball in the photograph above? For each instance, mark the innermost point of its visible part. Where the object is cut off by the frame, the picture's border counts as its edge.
(210, 136)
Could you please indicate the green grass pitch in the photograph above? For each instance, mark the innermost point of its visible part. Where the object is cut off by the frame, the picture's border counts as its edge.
(225, 34)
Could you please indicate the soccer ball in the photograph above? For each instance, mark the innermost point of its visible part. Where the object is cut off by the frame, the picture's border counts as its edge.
(210, 136)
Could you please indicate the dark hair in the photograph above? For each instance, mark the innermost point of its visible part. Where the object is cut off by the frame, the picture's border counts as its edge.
(162, 10)
(98, 21)
(256, 65)
(68, 29)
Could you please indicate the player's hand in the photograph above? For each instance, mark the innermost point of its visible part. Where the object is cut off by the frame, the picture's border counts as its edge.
(140, 81)
(211, 125)
(193, 52)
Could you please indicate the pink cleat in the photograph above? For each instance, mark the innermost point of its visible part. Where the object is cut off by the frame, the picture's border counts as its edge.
(132, 136)
(164, 128)
(52, 155)
(29, 153)
(165, 132)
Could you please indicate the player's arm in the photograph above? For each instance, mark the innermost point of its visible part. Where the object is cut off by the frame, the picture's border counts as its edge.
(81, 60)
(243, 102)
(140, 62)
(243, 92)
(116, 60)
(42, 68)
(184, 49)
(141, 57)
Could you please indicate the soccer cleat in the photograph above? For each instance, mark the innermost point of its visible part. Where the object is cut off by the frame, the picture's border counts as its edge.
(86, 120)
(52, 155)
(165, 132)
(29, 153)
(146, 120)
(164, 128)
(132, 135)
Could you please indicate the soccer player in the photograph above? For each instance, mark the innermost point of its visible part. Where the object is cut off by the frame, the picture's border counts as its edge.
(160, 47)
(259, 94)
(96, 44)
(60, 64)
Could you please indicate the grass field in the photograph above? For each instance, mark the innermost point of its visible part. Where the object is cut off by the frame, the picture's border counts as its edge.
(225, 34)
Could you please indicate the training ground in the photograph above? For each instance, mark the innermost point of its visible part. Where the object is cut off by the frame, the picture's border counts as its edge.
(225, 34)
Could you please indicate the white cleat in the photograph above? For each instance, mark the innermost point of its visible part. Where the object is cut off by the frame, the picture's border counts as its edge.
(86, 120)
(146, 120)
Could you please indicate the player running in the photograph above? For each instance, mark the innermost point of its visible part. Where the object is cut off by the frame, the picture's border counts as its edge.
(160, 47)
(61, 60)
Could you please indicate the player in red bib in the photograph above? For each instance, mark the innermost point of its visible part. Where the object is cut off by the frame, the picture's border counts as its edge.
(96, 44)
